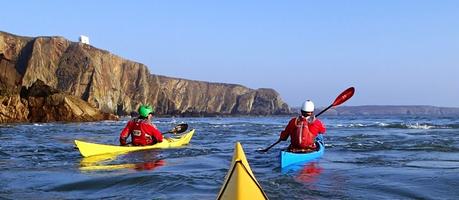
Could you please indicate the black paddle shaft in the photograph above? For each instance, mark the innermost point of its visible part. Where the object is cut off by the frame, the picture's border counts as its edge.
(324, 110)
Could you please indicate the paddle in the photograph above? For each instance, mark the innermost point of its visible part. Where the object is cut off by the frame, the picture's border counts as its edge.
(180, 128)
(344, 96)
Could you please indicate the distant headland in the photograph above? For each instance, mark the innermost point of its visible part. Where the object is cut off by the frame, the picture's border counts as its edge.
(398, 110)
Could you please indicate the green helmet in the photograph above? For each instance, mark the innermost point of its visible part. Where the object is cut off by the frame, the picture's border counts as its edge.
(144, 110)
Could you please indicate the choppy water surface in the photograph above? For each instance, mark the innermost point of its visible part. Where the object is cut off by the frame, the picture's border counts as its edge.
(366, 158)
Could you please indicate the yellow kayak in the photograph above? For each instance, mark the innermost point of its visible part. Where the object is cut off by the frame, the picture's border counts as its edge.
(91, 149)
(240, 183)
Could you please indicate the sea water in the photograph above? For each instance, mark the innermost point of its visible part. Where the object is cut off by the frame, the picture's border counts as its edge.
(380, 157)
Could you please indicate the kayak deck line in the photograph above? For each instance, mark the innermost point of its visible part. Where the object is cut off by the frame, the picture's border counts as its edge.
(240, 182)
(92, 149)
(239, 163)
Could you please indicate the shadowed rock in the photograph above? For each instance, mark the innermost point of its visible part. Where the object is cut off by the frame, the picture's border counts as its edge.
(47, 104)
(61, 107)
(13, 109)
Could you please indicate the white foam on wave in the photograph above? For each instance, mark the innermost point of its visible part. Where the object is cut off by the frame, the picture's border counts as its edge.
(351, 125)
(222, 125)
(419, 126)
(382, 124)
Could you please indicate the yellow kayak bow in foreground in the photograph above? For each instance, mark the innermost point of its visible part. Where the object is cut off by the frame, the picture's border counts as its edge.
(240, 183)
(91, 149)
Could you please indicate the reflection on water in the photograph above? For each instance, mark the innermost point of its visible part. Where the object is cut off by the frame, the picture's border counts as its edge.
(135, 166)
(93, 160)
(105, 162)
(309, 172)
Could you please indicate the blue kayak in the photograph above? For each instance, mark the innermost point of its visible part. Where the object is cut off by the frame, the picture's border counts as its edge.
(290, 158)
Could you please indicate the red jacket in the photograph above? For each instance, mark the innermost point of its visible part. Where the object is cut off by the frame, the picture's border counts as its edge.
(302, 133)
(142, 133)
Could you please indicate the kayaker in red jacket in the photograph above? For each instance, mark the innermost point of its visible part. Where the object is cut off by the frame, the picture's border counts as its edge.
(142, 131)
(303, 130)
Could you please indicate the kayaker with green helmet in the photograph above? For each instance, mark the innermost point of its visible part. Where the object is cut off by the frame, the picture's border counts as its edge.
(142, 131)
(303, 130)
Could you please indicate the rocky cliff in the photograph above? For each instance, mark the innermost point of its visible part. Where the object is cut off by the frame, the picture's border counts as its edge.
(115, 85)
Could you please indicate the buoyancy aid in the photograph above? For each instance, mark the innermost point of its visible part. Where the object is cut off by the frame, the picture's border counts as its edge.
(302, 137)
(139, 134)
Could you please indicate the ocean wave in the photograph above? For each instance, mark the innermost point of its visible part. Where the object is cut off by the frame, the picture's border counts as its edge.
(369, 146)
(434, 164)
(398, 125)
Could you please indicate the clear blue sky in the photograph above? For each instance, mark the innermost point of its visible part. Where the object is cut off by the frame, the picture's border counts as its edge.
(393, 52)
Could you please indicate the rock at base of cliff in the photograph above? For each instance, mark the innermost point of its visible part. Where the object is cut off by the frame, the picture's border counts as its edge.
(13, 109)
(61, 107)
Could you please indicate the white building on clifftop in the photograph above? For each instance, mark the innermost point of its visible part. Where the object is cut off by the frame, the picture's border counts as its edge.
(84, 39)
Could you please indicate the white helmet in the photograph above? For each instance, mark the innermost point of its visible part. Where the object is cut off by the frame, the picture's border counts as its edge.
(308, 106)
